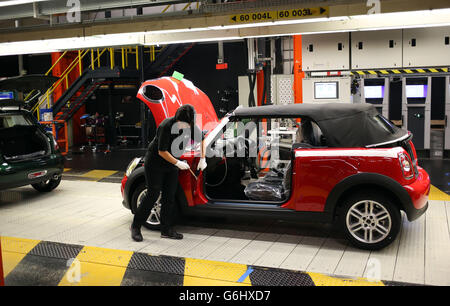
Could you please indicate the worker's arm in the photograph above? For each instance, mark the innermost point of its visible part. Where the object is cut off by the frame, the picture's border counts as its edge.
(203, 149)
(168, 157)
(182, 165)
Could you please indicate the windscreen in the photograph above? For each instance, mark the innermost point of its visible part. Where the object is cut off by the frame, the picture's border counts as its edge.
(385, 124)
(12, 120)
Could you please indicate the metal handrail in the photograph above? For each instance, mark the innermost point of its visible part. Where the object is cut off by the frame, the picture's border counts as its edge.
(63, 77)
(47, 73)
(94, 60)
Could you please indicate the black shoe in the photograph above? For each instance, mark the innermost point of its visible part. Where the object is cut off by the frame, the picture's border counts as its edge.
(136, 234)
(171, 234)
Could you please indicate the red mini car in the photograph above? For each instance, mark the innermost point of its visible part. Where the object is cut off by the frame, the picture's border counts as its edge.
(327, 163)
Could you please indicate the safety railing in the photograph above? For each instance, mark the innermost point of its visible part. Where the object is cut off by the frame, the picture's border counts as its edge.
(47, 73)
(45, 99)
(96, 55)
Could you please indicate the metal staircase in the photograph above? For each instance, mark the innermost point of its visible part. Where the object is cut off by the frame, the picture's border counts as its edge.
(84, 86)
(166, 59)
(77, 93)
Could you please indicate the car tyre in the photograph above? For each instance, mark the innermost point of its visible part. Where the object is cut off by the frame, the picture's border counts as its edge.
(153, 222)
(47, 186)
(370, 220)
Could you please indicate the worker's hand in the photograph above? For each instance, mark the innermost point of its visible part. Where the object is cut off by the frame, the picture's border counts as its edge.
(182, 165)
(202, 164)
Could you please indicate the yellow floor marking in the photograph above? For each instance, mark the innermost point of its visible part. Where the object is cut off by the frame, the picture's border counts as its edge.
(198, 272)
(14, 250)
(438, 195)
(98, 174)
(67, 169)
(324, 280)
(197, 281)
(97, 267)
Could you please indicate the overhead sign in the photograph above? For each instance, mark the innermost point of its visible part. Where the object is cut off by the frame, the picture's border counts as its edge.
(280, 15)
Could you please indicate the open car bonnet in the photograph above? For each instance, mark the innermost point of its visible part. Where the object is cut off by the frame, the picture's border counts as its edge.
(28, 83)
(165, 95)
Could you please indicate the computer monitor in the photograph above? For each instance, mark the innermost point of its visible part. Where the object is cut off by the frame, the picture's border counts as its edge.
(326, 90)
(6, 95)
(374, 92)
(416, 91)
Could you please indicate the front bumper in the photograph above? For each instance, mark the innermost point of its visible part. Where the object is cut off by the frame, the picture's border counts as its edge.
(125, 201)
(418, 192)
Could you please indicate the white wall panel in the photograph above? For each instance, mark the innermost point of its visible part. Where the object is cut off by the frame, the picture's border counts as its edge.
(325, 52)
(426, 47)
(376, 49)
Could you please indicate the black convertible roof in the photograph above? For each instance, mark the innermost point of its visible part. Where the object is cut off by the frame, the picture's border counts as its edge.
(317, 112)
(342, 124)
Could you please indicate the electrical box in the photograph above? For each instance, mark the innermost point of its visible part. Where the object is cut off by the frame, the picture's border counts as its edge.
(376, 49)
(326, 52)
(426, 47)
(326, 90)
(282, 89)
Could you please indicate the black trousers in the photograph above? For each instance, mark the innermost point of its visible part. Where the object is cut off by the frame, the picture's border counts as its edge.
(161, 180)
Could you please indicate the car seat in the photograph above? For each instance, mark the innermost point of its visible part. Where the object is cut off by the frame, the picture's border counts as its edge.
(311, 136)
(274, 186)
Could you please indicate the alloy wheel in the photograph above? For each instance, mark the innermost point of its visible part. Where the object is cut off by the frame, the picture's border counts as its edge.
(368, 221)
(155, 214)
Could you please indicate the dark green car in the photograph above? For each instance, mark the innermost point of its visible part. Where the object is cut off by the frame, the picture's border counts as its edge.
(28, 154)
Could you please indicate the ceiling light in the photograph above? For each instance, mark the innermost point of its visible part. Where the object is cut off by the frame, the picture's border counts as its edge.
(278, 22)
(18, 2)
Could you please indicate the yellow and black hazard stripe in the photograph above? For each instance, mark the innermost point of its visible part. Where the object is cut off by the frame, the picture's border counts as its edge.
(108, 176)
(33, 262)
(399, 71)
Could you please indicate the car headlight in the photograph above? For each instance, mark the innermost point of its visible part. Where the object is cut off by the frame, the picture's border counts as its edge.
(132, 166)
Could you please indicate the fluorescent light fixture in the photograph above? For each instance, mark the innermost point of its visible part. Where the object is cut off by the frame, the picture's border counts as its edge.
(436, 12)
(177, 31)
(406, 20)
(75, 43)
(278, 22)
(18, 2)
(162, 41)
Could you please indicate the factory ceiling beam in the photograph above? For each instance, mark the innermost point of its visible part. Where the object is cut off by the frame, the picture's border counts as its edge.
(54, 7)
(222, 26)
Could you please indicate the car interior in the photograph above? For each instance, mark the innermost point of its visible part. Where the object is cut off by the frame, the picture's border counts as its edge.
(253, 158)
(20, 139)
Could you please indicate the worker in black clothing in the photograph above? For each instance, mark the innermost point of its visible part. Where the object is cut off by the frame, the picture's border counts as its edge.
(161, 170)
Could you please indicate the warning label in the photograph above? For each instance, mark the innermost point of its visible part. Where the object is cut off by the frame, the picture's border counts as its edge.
(280, 15)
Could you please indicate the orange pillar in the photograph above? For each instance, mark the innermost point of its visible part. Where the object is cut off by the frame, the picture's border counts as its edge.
(299, 75)
(2, 280)
(78, 135)
(260, 87)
